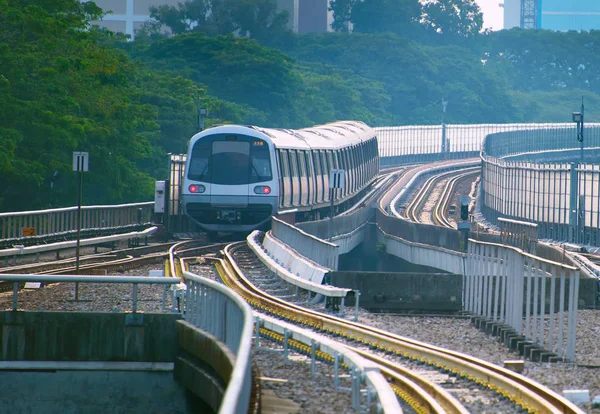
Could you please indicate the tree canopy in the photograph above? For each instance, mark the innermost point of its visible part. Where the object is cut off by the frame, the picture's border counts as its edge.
(66, 86)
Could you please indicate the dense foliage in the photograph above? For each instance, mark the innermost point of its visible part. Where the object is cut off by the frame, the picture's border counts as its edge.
(66, 86)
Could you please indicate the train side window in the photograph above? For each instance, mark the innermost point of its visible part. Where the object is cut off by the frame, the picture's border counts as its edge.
(285, 167)
(294, 163)
(302, 164)
(316, 162)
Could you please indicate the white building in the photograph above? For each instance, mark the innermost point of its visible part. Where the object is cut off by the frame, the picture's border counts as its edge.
(512, 13)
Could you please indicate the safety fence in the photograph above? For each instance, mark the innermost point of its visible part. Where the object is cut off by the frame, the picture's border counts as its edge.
(423, 143)
(40, 223)
(309, 246)
(560, 197)
(342, 224)
(218, 310)
(504, 284)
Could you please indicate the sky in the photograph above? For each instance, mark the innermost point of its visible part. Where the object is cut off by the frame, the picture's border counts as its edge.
(493, 15)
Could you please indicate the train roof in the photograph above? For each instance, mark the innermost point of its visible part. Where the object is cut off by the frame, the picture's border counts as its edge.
(329, 136)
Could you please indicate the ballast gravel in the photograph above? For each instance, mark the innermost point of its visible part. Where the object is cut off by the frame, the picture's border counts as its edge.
(315, 393)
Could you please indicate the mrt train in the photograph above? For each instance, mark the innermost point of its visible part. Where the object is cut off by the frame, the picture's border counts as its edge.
(237, 177)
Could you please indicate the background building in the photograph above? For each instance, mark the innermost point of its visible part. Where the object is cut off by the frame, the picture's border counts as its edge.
(306, 16)
(560, 15)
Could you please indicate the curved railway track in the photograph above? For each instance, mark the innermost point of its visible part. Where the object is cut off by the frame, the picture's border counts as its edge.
(415, 206)
(480, 376)
(439, 215)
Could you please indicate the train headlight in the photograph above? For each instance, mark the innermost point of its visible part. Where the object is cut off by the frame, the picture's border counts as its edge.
(197, 188)
(262, 189)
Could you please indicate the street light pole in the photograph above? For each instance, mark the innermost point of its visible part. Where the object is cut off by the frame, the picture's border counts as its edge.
(579, 118)
(444, 149)
(580, 135)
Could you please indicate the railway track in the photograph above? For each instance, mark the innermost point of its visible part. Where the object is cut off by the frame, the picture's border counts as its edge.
(439, 215)
(414, 208)
(403, 361)
(117, 260)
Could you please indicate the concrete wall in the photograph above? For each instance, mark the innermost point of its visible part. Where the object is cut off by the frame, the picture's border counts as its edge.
(204, 365)
(435, 292)
(71, 336)
(65, 392)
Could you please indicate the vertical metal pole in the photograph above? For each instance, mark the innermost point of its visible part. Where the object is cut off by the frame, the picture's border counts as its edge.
(80, 167)
(580, 137)
(313, 357)
(257, 333)
(561, 316)
(552, 305)
(572, 318)
(286, 336)
(357, 296)
(15, 295)
(331, 195)
(542, 302)
(336, 370)
(573, 196)
(536, 293)
(134, 299)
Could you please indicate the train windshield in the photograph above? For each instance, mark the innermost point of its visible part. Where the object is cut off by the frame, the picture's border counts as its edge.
(230, 160)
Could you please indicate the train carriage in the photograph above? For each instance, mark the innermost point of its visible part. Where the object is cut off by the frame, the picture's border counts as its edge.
(238, 176)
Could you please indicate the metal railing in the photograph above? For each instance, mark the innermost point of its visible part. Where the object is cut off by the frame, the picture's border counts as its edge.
(16, 225)
(560, 197)
(378, 395)
(133, 280)
(317, 250)
(423, 143)
(220, 311)
(343, 224)
(504, 284)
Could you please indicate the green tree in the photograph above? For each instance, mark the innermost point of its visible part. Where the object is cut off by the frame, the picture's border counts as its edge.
(251, 18)
(398, 16)
(453, 17)
(341, 10)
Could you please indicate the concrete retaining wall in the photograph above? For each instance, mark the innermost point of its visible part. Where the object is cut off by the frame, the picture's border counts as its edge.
(71, 336)
(73, 392)
(204, 364)
(435, 292)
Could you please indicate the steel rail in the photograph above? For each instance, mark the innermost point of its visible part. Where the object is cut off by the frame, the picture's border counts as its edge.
(439, 216)
(417, 201)
(231, 277)
(524, 392)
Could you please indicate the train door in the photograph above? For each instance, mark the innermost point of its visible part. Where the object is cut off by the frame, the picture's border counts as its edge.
(296, 190)
(286, 179)
(304, 181)
(318, 176)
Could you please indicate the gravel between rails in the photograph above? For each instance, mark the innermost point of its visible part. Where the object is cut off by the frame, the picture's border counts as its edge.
(315, 394)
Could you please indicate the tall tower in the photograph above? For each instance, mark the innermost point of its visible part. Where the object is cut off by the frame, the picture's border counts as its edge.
(529, 14)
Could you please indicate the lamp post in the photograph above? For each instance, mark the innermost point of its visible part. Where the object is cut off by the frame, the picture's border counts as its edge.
(202, 112)
(444, 149)
(578, 117)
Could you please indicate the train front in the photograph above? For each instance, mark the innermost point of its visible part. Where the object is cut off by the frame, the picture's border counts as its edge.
(230, 182)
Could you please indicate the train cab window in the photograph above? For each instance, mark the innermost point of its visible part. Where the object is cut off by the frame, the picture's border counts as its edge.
(230, 162)
(199, 168)
(260, 162)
